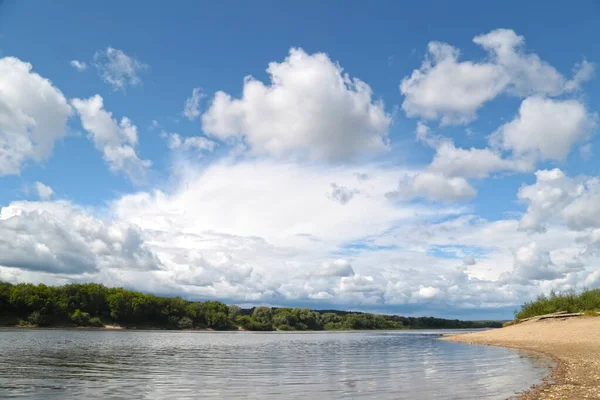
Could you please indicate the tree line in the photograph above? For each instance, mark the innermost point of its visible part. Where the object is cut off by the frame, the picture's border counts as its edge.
(92, 304)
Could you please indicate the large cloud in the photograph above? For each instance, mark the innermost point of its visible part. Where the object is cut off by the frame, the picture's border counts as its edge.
(453, 91)
(33, 115)
(444, 88)
(473, 163)
(546, 128)
(60, 238)
(310, 109)
(434, 186)
(555, 196)
(116, 140)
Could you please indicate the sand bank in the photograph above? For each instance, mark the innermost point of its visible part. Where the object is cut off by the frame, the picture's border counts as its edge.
(573, 343)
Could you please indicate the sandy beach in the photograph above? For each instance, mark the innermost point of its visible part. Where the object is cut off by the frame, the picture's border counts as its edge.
(573, 343)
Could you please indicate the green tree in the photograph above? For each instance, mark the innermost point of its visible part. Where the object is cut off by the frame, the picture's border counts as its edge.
(80, 318)
(234, 312)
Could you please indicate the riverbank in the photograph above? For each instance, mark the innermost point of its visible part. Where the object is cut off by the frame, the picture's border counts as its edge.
(573, 343)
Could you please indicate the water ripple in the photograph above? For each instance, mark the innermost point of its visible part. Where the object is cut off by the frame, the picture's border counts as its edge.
(62, 364)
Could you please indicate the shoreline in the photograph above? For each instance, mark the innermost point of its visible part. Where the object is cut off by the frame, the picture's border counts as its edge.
(573, 344)
(114, 327)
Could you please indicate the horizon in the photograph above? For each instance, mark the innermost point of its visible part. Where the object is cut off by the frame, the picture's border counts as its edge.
(403, 159)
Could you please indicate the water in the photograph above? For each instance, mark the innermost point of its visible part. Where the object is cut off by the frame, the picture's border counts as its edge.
(93, 364)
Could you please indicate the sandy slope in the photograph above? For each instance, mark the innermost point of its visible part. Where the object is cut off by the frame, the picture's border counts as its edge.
(574, 343)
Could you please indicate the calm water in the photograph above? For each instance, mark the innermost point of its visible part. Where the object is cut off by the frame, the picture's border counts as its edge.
(69, 364)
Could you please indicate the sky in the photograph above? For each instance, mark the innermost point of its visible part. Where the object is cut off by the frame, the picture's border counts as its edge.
(418, 159)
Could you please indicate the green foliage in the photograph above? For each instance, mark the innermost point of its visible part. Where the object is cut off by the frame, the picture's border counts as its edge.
(36, 318)
(262, 319)
(185, 323)
(588, 300)
(233, 312)
(90, 304)
(95, 321)
(80, 318)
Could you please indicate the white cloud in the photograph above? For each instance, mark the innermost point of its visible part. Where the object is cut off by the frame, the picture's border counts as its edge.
(527, 73)
(546, 128)
(43, 191)
(428, 292)
(339, 267)
(191, 109)
(433, 186)
(444, 88)
(33, 116)
(581, 73)
(175, 141)
(469, 260)
(60, 238)
(473, 163)
(79, 65)
(116, 140)
(118, 69)
(311, 109)
(453, 91)
(360, 284)
(555, 196)
(342, 194)
(532, 263)
(289, 196)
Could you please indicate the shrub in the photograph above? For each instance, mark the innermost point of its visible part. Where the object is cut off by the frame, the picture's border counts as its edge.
(80, 318)
(185, 323)
(284, 327)
(95, 321)
(555, 302)
(37, 318)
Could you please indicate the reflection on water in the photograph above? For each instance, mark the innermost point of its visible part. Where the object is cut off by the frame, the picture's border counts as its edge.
(63, 364)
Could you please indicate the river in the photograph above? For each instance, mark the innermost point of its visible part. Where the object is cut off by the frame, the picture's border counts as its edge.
(94, 364)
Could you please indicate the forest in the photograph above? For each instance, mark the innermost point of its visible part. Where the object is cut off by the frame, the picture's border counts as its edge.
(95, 305)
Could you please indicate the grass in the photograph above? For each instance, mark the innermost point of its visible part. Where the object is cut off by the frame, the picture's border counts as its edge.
(587, 301)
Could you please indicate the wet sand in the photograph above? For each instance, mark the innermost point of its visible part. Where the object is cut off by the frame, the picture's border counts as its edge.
(573, 343)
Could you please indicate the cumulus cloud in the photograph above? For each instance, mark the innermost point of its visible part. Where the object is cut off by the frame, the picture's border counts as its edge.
(339, 267)
(473, 163)
(444, 88)
(554, 195)
(360, 284)
(527, 73)
(33, 116)
(546, 128)
(116, 140)
(532, 263)
(199, 143)
(61, 238)
(582, 73)
(117, 69)
(191, 108)
(433, 186)
(79, 65)
(310, 109)
(342, 194)
(445, 178)
(469, 260)
(44, 192)
(452, 91)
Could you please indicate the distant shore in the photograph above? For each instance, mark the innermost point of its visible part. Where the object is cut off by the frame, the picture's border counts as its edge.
(573, 343)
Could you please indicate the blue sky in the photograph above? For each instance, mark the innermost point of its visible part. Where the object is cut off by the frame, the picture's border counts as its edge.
(452, 172)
